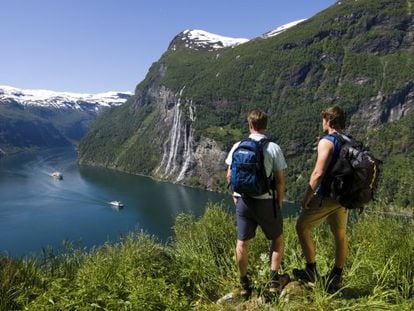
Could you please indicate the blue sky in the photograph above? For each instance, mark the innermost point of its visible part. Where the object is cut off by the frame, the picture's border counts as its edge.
(92, 46)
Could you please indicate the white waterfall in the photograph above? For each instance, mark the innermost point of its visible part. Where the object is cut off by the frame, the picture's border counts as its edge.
(171, 144)
(188, 144)
(175, 135)
(180, 139)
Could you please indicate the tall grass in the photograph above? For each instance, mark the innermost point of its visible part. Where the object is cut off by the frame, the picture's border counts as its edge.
(197, 267)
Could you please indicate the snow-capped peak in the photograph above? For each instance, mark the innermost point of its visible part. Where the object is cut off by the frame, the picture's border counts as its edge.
(46, 98)
(195, 39)
(281, 29)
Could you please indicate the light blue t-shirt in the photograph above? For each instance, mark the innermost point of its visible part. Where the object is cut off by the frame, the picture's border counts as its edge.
(274, 159)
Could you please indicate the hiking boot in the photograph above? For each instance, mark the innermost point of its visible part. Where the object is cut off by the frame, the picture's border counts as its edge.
(332, 282)
(306, 275)
(277, 283)
(246, 286)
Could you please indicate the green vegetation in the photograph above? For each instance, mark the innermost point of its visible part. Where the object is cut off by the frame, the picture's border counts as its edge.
(356, 55)
(23, 129)
(225, 134)
(120, 134)
(197, 267)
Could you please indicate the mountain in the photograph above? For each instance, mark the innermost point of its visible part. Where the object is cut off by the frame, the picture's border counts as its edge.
(192, 105)
(203, 40)
(62, 100)
(42, 118)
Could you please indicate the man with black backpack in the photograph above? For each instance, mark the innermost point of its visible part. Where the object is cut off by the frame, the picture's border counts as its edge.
(318, 204)
(255, 172)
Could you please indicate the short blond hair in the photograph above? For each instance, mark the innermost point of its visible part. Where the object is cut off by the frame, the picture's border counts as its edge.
(258, 119)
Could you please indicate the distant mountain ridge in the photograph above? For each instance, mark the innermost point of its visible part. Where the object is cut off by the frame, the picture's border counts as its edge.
(62, 100)
(42, 118)
(192, 105)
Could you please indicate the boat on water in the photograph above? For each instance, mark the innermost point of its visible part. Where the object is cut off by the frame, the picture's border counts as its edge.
(57, 175)
(117, 204)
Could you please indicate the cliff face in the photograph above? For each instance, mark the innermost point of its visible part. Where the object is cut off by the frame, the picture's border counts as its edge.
(385, 108)
(192, 105)
(184, 155)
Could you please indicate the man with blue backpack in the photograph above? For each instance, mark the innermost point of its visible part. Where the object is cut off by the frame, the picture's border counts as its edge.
(255, 172)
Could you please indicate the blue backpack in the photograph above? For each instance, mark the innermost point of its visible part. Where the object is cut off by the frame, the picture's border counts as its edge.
(248, 174)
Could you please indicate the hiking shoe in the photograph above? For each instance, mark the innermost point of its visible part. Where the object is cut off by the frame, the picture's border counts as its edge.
(246, 286)
(276, 284)
(332, 282)
(306, 275)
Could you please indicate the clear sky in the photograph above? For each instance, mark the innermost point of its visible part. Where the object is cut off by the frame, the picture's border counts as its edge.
(92, 46)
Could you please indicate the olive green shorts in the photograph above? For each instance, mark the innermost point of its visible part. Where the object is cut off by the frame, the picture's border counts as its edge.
(321, 209)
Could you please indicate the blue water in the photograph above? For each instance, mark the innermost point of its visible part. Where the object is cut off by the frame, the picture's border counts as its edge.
(37, 211)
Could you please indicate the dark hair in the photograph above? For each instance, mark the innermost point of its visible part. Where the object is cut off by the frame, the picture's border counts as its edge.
(258, 119)
(335, 116)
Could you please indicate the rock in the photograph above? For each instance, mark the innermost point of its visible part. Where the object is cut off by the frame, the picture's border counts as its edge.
(232, 298)
(293, 290)
(385, 108)
(236, 301)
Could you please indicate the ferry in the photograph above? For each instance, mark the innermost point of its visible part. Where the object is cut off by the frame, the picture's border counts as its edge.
(57, 175)
(117, 204)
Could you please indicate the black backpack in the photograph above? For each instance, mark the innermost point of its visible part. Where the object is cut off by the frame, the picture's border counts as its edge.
(355, 175)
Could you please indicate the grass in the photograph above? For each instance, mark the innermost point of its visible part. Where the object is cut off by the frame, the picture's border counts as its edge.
(197, 268)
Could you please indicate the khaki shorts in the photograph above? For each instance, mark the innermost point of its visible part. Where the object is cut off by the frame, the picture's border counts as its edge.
(321, 209)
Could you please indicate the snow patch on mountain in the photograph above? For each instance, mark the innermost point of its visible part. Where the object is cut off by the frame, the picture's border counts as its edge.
(60, 100)
(281, 29)
(200, 39)
(197, 39)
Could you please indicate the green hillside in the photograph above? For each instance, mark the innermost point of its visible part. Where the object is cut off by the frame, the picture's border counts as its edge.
(356, 54)
(197, 268)
(23, 130)
(31, 127)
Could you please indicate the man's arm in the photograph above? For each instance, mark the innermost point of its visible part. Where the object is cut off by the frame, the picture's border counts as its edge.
(280, 186)
(228, 176)
(325, 150)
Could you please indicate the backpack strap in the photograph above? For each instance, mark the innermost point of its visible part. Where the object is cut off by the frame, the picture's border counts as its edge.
(341, 137)
(272, 178)
(274, 197)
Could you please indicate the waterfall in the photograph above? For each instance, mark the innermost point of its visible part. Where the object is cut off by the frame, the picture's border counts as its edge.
(178, 148)
(171, 144)
(188, 144)
(168, 148)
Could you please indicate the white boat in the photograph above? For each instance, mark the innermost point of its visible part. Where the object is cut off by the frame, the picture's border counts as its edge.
(118, 204)
(57, 175)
